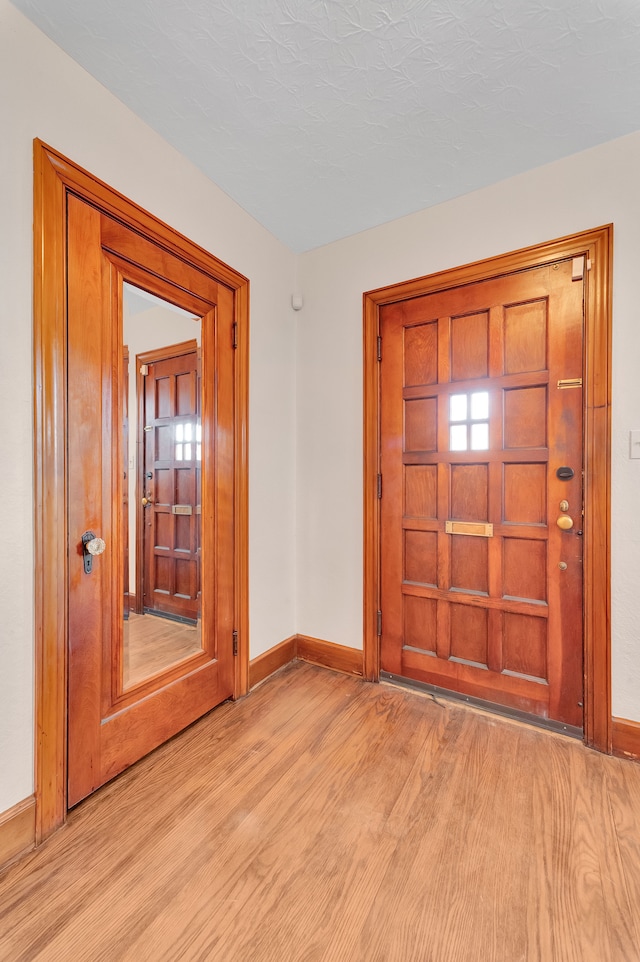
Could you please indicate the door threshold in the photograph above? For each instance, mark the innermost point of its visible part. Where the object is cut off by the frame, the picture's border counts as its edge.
(487, 706)
(169, 616)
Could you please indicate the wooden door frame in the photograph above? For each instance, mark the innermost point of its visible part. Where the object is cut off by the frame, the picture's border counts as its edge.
(55, 177)
(597, 245)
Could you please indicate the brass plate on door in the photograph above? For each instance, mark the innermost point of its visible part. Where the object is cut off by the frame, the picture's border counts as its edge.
(181, 509)
(473, 528)
(569, 382)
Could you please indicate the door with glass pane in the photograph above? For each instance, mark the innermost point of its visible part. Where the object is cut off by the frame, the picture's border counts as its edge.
(149, 651)
(481, 511)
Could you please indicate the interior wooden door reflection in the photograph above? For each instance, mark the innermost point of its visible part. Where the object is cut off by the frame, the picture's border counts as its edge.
(481, 514)
(170, 476)
(114, 720)
(163, 625)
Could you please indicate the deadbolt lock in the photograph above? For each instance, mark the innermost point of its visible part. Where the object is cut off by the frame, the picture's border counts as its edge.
(564, 505)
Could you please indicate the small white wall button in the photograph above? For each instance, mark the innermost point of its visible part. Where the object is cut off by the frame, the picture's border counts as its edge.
(634, 444)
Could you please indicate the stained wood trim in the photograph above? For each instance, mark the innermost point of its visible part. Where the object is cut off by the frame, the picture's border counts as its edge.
(17, 830)
(50, 363)
(111, 201)
(316, 651)
(329, 655)
(269, 661)
(597, 245)
(241, 486)
(597, 491)
(162, 353)
(55, 176)
(371, 560)
(626, 738)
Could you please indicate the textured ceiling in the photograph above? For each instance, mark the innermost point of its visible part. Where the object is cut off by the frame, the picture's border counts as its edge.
(325, 117)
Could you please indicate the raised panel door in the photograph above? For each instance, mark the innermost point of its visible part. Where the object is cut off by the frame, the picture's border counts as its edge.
(481, 403)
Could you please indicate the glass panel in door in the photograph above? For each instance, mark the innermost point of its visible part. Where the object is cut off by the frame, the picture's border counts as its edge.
(161, 502)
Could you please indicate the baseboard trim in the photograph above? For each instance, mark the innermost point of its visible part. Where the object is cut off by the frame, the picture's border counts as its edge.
(17, 831)
(316, 651)
(625, 738)
(269, 661)
(329, 655)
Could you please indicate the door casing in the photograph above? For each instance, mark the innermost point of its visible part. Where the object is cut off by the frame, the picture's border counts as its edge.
(55, 176)
(597, 246)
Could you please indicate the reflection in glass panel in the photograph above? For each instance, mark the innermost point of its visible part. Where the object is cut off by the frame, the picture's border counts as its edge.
(480, 437)
(458, 437)
(479, 405)
(161, 498)
(458, 407)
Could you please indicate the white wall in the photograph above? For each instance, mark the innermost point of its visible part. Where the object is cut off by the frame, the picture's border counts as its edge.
(46, 95)
(585, 191)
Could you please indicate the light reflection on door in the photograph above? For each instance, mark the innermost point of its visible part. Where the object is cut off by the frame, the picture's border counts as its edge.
(161, 503)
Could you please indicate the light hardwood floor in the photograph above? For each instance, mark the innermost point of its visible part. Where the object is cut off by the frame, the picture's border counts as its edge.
(153, 643)
(322, 819)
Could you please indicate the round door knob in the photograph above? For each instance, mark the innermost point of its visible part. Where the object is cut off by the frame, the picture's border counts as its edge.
(96, 546)
(146, 501)
(565, 522)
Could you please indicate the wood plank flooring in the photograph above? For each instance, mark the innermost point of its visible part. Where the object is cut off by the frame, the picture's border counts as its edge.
(322, 819)
(152, 644)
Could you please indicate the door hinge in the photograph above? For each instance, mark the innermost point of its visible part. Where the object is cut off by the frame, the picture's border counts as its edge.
(234, 335)
(235, 642)
(379, 486)
(379, 623)
(379, 354)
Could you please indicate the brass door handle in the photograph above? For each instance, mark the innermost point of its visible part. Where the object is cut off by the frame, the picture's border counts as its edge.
(565, 522)
(146, 501)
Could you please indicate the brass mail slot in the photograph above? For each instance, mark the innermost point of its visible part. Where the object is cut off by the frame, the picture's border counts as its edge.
(181, 509)
(569, 382)
(474, 528)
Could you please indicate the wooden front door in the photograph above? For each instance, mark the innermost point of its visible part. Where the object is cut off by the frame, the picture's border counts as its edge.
(113, 721)
(481, 510)
(171, 434)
